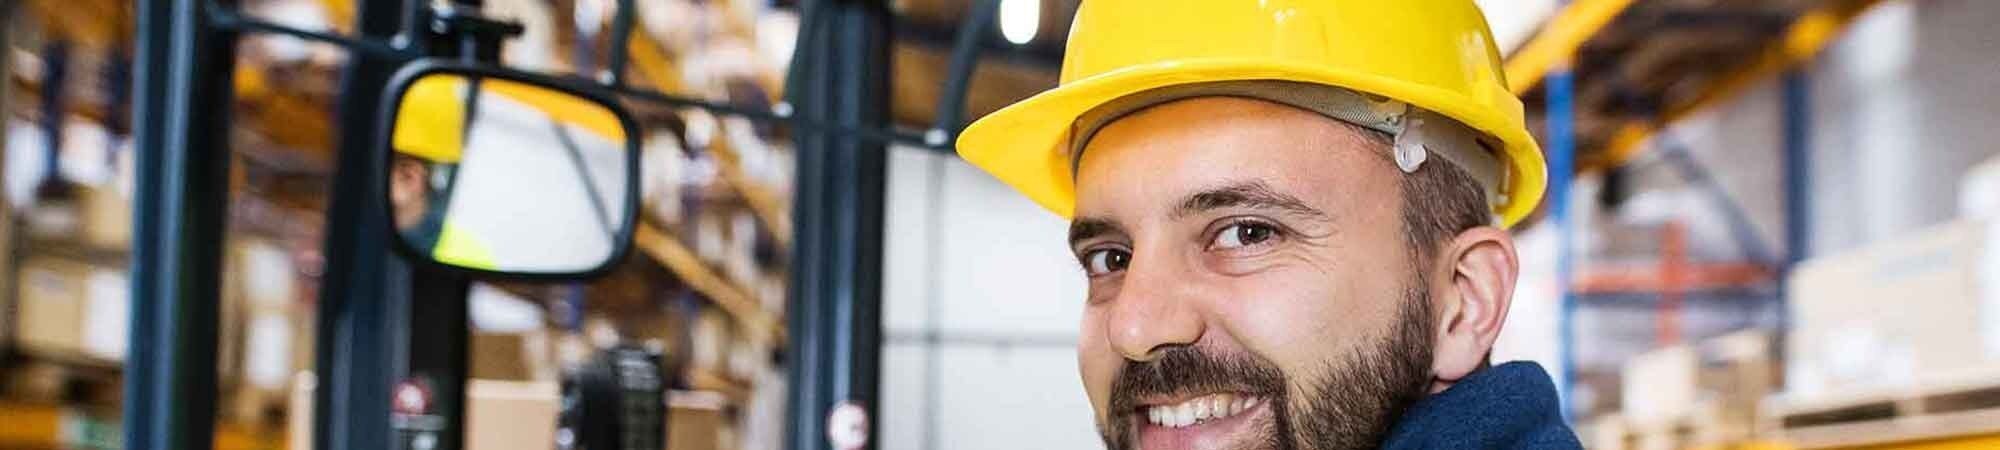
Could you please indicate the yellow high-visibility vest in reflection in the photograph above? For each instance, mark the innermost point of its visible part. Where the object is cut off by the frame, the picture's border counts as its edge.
(458, 248)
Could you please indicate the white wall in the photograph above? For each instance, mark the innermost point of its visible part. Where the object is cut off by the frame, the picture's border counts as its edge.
(1902, 106)
(988, 275)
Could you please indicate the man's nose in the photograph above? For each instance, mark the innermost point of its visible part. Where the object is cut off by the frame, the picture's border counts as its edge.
(1156, 308)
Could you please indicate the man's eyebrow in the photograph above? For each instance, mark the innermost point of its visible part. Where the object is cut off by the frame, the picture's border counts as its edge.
(1248, 194)
(1084, 228)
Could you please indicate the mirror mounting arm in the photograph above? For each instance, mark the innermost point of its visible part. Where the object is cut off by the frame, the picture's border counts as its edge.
(460, 27)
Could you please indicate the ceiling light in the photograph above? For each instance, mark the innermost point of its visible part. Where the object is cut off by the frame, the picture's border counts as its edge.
(1019, 19)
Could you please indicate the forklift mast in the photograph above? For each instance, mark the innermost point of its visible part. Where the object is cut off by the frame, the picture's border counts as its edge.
(373, 333)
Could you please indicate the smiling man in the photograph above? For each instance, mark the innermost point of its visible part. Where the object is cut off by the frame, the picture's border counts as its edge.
(1292, 214)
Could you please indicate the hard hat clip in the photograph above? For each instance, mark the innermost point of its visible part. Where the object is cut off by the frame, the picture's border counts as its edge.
(1409, 148)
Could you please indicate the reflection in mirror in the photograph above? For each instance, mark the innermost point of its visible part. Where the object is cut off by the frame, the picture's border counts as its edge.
(505, 176)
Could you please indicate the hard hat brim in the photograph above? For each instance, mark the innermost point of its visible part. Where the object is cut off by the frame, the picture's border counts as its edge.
(1024, 144)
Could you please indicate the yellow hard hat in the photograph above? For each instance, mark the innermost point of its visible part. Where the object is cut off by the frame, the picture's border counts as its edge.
(1431, 56)
(430, 122)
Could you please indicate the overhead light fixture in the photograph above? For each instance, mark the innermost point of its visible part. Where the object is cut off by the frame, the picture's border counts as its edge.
(1019, 19)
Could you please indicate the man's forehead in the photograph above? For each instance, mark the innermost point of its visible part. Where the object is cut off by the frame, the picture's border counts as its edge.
(1211, 148)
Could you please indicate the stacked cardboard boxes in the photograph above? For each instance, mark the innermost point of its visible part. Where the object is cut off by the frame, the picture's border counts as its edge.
(1701, 395)
(69, 309)
(268, 331)
(1887, 315)
(511, 415)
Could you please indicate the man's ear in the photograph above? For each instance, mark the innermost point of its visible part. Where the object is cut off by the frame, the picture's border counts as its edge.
(1475, 295)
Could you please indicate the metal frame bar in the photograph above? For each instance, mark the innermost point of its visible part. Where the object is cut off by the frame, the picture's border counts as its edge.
(354, 357)
(1676, 153)
(958, 77)
(55, 67)
(1798, 185)
(1561, 153)
(230, 19)
(154, 29)
(836, 288)
(621, 38)
(182, 201)
(1798, 165)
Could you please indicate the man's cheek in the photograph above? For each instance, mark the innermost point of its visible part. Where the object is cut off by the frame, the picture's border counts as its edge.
(1096, 363)
(1291, 322)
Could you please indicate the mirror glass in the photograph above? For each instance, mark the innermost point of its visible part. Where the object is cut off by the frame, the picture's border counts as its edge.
(506, 176)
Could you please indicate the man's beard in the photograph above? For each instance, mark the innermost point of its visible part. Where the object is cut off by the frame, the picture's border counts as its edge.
(1355, 401)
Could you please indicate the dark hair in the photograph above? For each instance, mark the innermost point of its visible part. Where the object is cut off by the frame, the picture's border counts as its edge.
(1440, 200)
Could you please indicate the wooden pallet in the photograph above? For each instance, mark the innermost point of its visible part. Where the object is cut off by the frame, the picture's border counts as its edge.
(1955, 406)
(56, 377)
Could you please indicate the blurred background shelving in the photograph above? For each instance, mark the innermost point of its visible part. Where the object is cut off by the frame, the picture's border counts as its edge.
(1760, 248)
(704, 286)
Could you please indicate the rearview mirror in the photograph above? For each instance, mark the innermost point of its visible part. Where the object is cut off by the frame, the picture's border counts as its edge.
(507, 173)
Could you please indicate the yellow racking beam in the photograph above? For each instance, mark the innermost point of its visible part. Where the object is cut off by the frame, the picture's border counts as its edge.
(1803, 40)
(671, 253)
(38, 425)
(29, 425)
(1987, 442)
(1558, 41)
(1977, 442)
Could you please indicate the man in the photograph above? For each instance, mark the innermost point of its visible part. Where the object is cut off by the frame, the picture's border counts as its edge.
(1291, 215)
(428, 143)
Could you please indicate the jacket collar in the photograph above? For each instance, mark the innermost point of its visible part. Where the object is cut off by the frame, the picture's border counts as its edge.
(1508, 406)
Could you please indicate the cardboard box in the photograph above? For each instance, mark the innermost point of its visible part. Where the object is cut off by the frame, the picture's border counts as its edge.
(72, 309)
(1660, 387)
(105, 215)
(507, 415)
(513, 415)
(267, 334)
(53, 293)
(1605, 432)
(710, 338)
(695, 421)
(1738, 371)
(512, 357)
(1882, 316)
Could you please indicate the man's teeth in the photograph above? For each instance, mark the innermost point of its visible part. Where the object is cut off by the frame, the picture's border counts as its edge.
(1199, 409)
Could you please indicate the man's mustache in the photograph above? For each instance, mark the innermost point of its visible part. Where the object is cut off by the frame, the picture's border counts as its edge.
(1188, 369)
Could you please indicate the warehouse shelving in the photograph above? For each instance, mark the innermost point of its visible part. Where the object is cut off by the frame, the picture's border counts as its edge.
(1621, 104)
(288, 124)
(1635, 67)
(659, 67)
(733, 299)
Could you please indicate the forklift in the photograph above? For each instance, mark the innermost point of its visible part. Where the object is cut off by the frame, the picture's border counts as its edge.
(434, 134)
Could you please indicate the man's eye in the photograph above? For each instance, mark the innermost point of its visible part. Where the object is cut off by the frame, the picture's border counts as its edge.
(1106, 261)
(1243, 234)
